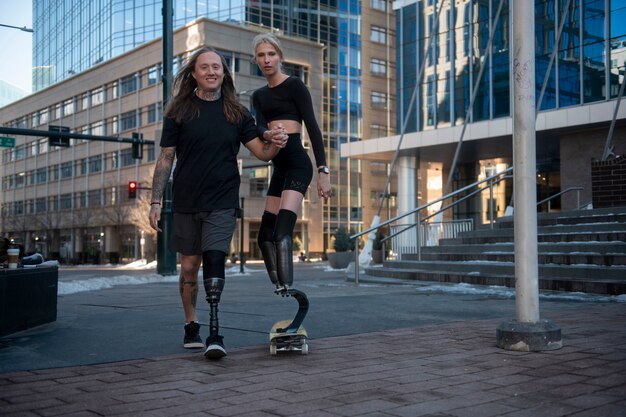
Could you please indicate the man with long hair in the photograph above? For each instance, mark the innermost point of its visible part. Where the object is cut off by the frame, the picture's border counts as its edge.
(203, 128)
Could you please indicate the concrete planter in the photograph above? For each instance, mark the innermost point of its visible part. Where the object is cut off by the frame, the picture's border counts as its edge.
(340, 260)
(28, 298)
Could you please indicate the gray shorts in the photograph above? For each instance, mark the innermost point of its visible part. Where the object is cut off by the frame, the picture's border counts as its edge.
(194, 233)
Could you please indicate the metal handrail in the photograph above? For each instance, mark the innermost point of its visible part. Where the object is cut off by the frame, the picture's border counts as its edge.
(416, 211)
(441, 210)
(567, 190)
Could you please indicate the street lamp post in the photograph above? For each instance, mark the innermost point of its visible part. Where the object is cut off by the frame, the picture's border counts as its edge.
(23, 29)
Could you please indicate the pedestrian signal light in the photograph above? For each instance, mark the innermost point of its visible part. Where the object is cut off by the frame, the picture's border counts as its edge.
(132, 189)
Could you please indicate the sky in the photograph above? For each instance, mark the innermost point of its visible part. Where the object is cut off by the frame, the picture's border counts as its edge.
(16, 46)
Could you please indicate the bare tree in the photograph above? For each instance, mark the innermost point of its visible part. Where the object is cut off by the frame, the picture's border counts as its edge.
(138, 215)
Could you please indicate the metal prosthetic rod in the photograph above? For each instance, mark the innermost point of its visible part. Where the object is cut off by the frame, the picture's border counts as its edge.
(213, 288)
(268, 249)
(284, 262)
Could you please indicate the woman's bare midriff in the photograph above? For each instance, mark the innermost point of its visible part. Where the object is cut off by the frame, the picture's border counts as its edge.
(290, 126)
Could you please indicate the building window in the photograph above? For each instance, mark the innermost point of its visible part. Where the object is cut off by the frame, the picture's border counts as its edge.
(154, 74)
(40, 205)
(378, 131)
(378, 34)
(127, 157)
(81, 200)
(84, 101)
(379, 100)
(68, 107)
(94, 198)
(129, 84)
(97, 129)
(258, 186)
(129, 120)
(379, 5)
(67, 170)
(378, 66)
(114, 158)
(43, 117)
(54, 172)
(97, 97)
(41, 176)
(112, 91)
(65, 201)
(154, 113)
(95, 163)
(81, 166)
(53, 203)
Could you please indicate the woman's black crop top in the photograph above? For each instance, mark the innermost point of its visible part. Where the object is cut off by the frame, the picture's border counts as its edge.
(289, 100)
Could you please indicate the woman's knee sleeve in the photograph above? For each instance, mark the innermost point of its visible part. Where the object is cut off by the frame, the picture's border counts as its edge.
(285, 222)
(266, 231)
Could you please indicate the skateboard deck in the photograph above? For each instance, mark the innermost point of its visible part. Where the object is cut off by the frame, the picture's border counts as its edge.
(281, 341)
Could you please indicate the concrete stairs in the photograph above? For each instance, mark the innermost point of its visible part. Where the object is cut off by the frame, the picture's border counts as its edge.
(583, 251)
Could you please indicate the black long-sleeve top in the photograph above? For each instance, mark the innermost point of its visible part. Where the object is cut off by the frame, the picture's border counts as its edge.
(289, 100)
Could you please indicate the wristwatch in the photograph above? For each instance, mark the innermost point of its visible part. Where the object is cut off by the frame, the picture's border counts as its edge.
(323, 169)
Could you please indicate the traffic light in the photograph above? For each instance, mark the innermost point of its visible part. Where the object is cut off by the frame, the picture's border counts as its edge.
(132, 189)
(138, 147)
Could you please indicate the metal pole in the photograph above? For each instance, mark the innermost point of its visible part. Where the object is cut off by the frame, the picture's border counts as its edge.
(608, 149)
(166, 259)
(527, 332)
(241, 238)
(524, 177)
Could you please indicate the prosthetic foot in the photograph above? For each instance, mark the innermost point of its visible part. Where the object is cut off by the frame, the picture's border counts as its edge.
(284, 263)
(215, 342)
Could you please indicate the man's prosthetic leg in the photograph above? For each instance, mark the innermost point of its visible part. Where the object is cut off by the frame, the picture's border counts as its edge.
(213, 277)
(285, 222)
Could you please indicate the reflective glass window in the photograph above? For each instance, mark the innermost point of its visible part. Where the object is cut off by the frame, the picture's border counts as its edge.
(593, 63)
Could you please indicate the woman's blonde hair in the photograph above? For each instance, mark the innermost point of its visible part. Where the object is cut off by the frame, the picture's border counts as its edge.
(267, 38)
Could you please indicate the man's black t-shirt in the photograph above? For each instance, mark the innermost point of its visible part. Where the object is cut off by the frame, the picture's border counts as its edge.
(206, 175)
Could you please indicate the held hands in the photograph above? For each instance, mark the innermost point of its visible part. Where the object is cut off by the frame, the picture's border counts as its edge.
(277, 136)
(155, 216)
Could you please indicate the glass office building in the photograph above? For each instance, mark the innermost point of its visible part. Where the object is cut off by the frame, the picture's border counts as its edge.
(585, 69)
(441, 49)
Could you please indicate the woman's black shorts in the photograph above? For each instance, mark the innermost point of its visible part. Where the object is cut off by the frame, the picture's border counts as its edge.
(292, 168)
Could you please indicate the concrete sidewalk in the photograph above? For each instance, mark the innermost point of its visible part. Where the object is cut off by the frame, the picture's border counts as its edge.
(451, 369)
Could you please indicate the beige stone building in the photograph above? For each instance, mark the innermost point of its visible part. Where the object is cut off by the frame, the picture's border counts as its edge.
(73, 203)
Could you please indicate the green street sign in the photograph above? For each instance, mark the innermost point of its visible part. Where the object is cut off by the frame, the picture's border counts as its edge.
(6, 142)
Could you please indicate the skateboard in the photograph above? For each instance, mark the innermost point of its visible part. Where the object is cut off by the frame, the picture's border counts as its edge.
(288, 341)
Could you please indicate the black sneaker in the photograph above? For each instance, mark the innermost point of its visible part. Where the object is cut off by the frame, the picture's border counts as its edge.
(215, 347)
(192, 339)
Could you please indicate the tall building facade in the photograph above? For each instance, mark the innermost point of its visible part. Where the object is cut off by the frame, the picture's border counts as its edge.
(441, 47)
(358, 66)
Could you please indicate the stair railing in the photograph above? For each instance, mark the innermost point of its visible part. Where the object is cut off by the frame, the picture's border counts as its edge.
(490, 181)
(567, 190)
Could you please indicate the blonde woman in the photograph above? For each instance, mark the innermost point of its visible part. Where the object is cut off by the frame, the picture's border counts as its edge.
(284, 104)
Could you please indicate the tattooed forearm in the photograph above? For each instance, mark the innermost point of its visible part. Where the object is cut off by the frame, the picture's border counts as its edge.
(162, 171)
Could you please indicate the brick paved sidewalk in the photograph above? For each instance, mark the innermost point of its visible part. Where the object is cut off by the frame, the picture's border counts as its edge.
(443, 370)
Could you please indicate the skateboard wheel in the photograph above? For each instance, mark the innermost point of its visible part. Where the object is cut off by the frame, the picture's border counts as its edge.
(305, 349)
(272, 349)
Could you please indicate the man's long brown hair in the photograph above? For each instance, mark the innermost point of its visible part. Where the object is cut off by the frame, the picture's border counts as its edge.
(182, 107)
